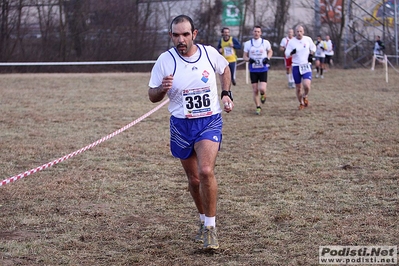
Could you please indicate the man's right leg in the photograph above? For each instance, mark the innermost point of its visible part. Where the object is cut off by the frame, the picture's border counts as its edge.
(190, 166)
(199, 168)
(298, 86)
(207, 151)
(306, 89)
(291, 82)
(255, 96)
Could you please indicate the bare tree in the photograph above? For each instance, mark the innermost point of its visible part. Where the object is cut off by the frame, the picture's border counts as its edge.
(208, 18)
(70, 30)
(62, 31)
(333, 21)
(260, 13)
(281, 17)
(76, 15)
(5, 30)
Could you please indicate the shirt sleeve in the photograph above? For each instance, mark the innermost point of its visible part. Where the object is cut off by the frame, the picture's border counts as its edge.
(236, 44)
(161, 69)
(247, 46)
(219, 44)
(283, 43)
(312, 45)
(268, 46)
(288, 49)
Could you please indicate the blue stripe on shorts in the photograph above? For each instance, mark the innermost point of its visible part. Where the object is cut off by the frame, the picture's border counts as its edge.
(184, 133)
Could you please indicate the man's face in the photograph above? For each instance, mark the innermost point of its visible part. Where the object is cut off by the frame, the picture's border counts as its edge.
(183, 38)
(299, 33)
(257, 32)
(290, 34)
(226, 34)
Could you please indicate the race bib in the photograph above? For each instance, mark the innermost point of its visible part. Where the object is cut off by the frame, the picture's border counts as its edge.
(228, 51)
(305, 68)
(258, 64)
(197, 102)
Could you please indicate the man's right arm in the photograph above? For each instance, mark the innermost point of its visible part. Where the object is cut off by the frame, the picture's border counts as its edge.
(245, 56)
(156, 94)
(287, 51)
(282, 45)
(219, 46)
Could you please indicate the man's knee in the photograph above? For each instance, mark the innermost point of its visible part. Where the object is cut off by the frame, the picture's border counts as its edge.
(206, 172)
(194, 182)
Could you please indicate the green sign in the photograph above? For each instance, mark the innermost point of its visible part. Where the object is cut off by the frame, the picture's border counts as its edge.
(231, 13)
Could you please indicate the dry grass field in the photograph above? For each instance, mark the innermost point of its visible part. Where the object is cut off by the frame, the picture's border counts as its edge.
(289, 181)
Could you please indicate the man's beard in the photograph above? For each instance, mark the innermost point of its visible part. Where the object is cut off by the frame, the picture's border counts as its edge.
(182, 48)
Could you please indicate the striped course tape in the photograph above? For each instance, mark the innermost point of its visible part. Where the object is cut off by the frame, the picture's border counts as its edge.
(61, 159)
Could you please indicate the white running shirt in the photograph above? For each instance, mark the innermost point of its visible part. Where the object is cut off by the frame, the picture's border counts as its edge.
(303, 48)
(257, 50)
(319, 51)
(330, 48)
(284, 42)
(194, 91)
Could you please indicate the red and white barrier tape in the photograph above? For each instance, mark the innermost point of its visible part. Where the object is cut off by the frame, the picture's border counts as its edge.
(47, 165)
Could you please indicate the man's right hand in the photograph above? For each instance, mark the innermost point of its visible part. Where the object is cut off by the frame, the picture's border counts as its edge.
(293, 52)
(251, 61)
(167, 83)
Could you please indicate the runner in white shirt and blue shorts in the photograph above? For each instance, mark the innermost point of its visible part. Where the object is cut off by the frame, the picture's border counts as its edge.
(301, 48)
(187, 74)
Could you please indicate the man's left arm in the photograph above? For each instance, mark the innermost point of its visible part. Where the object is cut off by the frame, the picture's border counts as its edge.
(312, 46)
(225, 79)
(236, 44)
(226, 96)
(381, 44)
(270, 53)
(324, 46)
(268, 48)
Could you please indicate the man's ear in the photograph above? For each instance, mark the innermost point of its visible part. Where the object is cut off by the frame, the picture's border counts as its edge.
(195, 32)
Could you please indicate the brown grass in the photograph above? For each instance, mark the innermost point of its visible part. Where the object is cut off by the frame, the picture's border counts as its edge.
(289, 181)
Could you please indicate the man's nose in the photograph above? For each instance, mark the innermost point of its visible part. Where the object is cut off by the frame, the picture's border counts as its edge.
(180, 38)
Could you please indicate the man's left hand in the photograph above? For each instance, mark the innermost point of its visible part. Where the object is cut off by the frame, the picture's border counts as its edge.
(228, 106)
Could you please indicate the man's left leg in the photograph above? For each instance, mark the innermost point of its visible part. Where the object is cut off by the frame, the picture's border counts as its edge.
(207, 151)
(233, 66)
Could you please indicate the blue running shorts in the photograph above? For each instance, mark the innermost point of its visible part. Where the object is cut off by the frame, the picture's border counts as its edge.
(184, 133)
(298, 77)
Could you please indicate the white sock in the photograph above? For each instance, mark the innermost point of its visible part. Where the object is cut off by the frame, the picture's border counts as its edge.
(289, 77)
(210, 221)
(202, 217)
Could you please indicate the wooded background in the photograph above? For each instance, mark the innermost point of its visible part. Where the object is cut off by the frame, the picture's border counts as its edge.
(131, 30)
